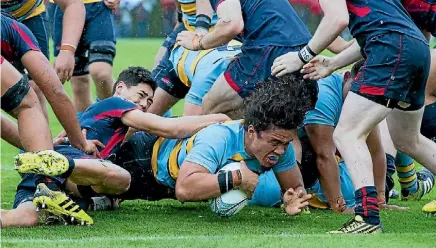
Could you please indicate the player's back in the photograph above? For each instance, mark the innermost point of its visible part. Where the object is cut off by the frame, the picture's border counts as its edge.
(370, 18)
(23, 9)
(271, 23)
(423, 13)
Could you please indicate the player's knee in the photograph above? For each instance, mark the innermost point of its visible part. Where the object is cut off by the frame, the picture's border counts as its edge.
(80, 84)
(120, 178)
(101, 74)
(340, 138)
(406, 145)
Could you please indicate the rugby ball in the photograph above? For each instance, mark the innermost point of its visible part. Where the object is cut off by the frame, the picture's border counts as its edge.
(231, 202)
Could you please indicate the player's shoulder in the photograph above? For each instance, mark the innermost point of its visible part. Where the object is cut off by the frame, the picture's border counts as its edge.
(222, 131)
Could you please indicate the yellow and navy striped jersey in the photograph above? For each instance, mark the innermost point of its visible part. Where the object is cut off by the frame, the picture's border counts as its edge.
(190, 65)
(189, 12)
(212, 147)
(23, 9)
(84, 1)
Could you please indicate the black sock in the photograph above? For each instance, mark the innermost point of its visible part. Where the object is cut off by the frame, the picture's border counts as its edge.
(71, 164)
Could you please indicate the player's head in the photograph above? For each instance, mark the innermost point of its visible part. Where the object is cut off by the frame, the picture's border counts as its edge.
(137, 85)
(272, 114)
(349, 77)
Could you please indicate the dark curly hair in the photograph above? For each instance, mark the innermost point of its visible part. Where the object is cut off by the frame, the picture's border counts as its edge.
(280, 102)
(135, 75)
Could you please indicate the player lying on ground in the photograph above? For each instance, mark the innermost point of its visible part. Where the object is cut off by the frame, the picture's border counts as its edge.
(186, 169)
(21, 49)
(108, 122)
(269, 29)
(389, 86)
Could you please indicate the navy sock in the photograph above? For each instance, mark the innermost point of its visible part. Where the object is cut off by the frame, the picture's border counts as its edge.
(366, 205)
(71, 164)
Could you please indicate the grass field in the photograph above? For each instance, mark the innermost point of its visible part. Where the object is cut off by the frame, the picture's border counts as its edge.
(169, 223)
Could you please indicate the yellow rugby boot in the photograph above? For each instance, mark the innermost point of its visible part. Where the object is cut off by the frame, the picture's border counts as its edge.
(48, 162)
(357, 225)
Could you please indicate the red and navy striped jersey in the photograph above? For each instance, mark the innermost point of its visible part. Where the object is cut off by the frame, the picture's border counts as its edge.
(16, 40)
(102, 120)
(370, 18)
(423, 13)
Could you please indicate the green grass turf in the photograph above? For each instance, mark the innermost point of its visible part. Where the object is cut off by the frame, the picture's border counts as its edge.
(169, 223)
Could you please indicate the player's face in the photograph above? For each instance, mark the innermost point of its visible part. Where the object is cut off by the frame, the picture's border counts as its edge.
(141, 95)
(348, 80)
(269, 145)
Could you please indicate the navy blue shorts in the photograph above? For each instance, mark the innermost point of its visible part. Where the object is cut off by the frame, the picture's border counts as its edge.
(428, 126)
(164, 73)
(97, 43)
(396, 68)
(72, 152)
(27, 187)
(252, 66)
(38, 26)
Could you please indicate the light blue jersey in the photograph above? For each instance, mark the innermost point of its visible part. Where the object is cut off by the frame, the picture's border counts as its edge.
(329, 104)
(200, 69)
(189, 13)
(213, 147)
(268, 194)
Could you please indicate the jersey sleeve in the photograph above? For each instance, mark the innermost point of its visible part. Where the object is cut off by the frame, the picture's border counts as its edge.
(209, 148)
(113, 107)
(287, 161)
(23, 39)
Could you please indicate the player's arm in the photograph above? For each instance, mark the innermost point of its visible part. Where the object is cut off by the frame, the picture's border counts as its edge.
(72, 26)
(173, 128)
(339, 45)
(9, 132)
(379, 162)
(291, 179)
(229, 25)
(45, 77)
(321, 139)
(334, 21)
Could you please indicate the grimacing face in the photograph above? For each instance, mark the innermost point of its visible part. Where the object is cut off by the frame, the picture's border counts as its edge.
(141, 94)
(269, 145)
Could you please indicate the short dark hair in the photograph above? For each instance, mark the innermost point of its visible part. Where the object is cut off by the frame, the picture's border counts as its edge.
(135, 75)
(281, 102)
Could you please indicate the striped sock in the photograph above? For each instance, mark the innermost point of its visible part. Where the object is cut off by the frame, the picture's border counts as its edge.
(366, 205)
(405, 166)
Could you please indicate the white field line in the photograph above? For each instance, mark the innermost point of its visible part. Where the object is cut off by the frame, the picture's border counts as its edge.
(196, 237)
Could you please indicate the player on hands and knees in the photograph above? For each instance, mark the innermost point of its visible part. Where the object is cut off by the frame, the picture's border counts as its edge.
(387, 87)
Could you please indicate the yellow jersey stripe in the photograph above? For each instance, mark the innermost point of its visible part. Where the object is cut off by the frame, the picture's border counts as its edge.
(39, 10)
(173, 167)
(197, 60)
(188, 8)
(180, 69)
(156, 147)
(84, 1)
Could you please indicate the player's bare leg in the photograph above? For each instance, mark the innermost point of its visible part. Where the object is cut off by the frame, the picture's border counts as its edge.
(24, 215)
(404, 127)
(192, 109)
(223, 99)
(101, 73)
(162, 102)
(81, 86)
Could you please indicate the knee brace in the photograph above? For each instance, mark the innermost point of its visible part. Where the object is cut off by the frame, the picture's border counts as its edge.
(102, 51)
(15, 95)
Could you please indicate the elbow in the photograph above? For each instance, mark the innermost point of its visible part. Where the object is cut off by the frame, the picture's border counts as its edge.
(236, 27)
(342, 22)
(324, 161)
(182, 193)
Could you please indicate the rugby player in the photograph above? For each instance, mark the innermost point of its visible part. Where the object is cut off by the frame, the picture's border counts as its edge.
(268, 28)
(106, 121)
(186, 168)
(390, 84)
(32, 14)
(94, 52)
(20, 47)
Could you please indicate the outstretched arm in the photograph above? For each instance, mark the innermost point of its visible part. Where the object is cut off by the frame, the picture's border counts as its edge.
(229, 25)
(173, 128)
